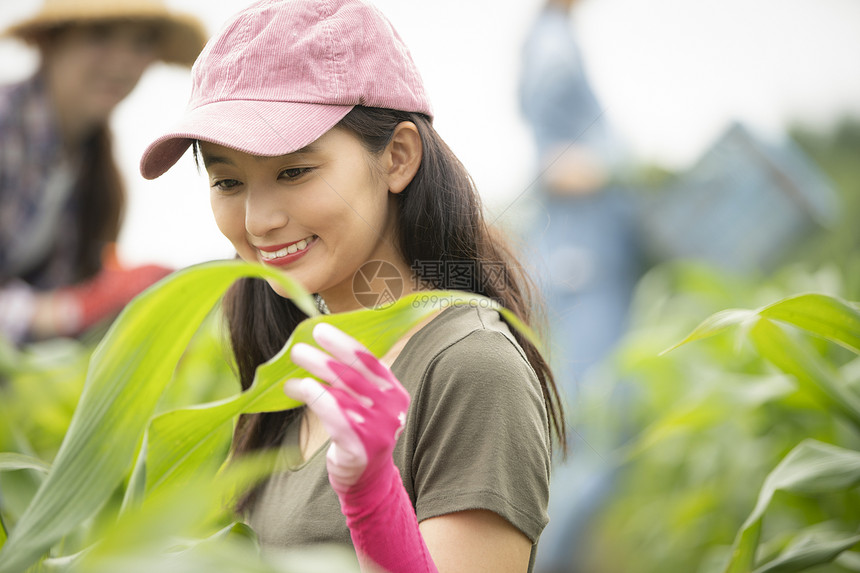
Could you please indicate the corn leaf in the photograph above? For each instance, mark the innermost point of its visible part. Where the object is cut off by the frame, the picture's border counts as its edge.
(137, 481)
(849, 560)
(714, 324)
(814, 375)
(194, 506)
(686, 418)
(183, 439)
(810, 550)
(812, 467)
(12, 461)
(825, 316)
(128, 373)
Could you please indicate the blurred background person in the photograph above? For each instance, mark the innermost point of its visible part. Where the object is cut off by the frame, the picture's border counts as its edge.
(589, 263)
(61, 193)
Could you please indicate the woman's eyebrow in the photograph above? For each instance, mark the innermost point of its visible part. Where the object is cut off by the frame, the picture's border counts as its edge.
(209, 160)
(312, 147)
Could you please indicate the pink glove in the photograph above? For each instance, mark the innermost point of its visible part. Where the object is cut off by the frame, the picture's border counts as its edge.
(363, 409)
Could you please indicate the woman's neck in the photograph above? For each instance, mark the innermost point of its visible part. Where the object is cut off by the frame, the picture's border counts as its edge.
(376, 283)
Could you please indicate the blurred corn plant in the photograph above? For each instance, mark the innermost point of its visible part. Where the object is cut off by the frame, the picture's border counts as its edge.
(141, 479)
(747, 456)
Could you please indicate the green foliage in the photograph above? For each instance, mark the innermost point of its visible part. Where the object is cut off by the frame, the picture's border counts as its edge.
(836, 151)
(712, 419)
(764, 398)
(742, 454)
(143, 463)
(812, 467)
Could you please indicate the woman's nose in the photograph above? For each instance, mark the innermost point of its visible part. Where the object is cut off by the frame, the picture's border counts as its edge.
(265, 212)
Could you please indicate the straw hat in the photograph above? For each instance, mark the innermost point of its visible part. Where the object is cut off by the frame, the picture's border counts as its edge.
(184, 35)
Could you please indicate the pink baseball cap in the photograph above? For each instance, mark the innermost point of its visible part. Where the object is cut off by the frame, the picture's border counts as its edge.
(282, 73)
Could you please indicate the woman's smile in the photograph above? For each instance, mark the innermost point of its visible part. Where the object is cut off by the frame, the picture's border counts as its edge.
(318, 213)
(282, 255)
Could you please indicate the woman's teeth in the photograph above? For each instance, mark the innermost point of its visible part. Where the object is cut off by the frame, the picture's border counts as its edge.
(295, 247)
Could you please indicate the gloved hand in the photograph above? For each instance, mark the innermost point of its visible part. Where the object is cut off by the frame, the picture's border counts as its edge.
(363, 408)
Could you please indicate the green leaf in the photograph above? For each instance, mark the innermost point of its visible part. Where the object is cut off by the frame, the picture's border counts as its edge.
(849, 560)
(128, 373)
(825, 316)
(64, 563)
(12, 461)
(687, 417)
(236, 531)
(812, 467)
(157, 528)
(183, 439)
(715, 324)
(808, 551)
(137, 482)
(822, 315)
(814, 375)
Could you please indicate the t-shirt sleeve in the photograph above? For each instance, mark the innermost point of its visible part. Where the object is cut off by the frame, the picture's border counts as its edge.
(482, 438)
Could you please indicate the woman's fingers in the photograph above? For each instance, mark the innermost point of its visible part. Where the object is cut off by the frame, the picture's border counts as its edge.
(322, 402)
(334, 372)
(341, 345)
(314, 395)
(349, 351)
(314, 361)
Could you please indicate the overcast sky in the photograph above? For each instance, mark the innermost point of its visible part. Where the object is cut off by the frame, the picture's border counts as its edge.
(670, 73)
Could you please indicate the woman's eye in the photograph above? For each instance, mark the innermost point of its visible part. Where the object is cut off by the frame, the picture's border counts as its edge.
(225, 184)
(295, 172)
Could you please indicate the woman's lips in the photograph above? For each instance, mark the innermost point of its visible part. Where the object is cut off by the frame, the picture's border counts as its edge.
(281, 255)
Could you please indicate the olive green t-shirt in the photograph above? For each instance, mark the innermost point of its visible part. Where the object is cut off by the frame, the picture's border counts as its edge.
(476, 437)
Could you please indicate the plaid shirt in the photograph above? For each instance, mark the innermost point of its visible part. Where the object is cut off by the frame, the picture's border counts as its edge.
(38, 216)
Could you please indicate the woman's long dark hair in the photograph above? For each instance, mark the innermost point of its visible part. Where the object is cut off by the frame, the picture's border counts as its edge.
(100, 196)
(440, 219)
(99, 192)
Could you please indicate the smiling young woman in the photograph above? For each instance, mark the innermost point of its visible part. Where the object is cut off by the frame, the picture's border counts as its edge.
(333, 197)
(322, 161)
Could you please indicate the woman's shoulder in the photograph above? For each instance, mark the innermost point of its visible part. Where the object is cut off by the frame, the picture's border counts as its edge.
(446, 332)
(464, 342)
(477, 434)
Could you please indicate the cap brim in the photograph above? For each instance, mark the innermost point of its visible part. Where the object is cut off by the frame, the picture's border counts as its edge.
(260, 128)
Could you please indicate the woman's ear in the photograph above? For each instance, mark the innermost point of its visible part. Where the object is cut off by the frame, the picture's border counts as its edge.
(402, 156)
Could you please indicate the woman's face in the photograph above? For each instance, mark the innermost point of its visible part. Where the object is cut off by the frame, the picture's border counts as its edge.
(319, 213)
(91, 68)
